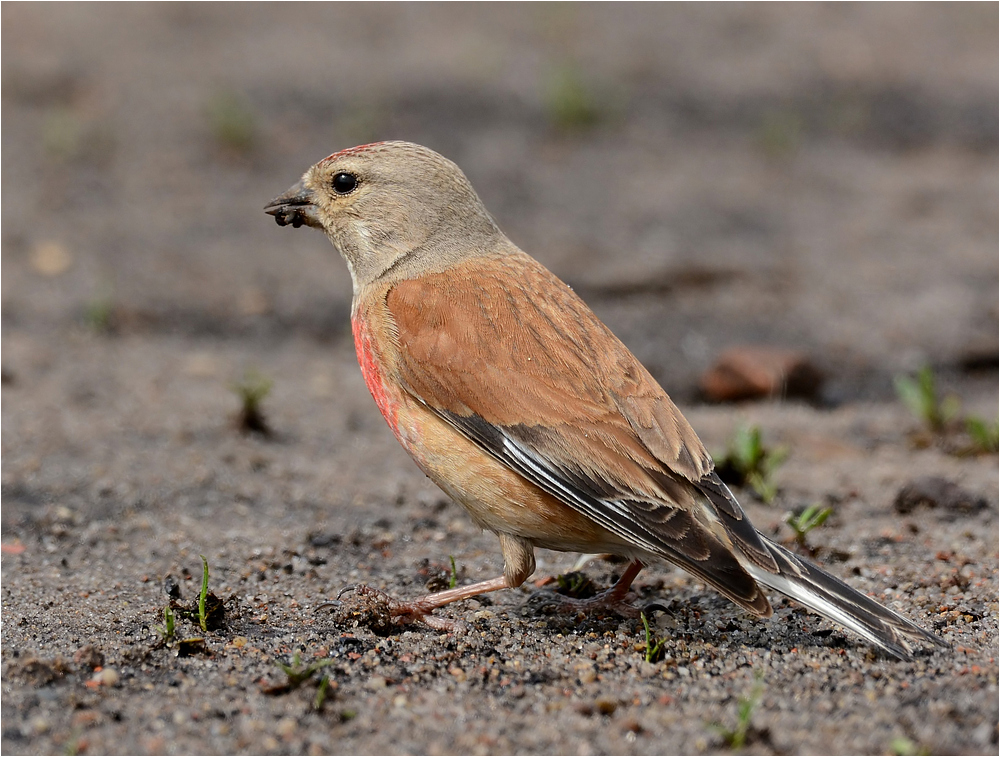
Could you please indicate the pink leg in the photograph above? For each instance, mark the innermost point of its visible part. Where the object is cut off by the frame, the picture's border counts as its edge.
(421, 609)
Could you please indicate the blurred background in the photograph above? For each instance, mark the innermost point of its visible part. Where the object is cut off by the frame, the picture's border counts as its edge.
(821, 177)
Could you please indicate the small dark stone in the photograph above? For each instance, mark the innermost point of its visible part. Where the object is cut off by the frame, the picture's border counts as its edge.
(979, 358)
(171, 587)
(324, 540)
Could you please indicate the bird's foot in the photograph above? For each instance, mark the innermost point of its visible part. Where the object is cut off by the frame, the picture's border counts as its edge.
(607, 601)
(382, 610)
(611, 600)
(385, 611)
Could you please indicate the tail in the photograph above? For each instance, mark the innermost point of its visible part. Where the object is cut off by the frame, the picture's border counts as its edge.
(833, 599)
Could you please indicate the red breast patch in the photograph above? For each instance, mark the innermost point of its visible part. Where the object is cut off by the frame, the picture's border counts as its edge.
(371, 369)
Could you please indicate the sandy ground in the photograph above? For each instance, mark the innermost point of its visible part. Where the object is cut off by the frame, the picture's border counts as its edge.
(815, 177)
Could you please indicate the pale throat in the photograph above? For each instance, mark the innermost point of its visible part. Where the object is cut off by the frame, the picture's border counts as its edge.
(366, 258)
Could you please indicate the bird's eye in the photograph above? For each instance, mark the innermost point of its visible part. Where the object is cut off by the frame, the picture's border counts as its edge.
(344, 183)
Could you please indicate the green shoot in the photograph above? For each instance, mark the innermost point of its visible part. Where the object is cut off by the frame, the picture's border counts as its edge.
(736, 738)
(940, 416)
(570, 102)
(324, 684)
(298, 673)
(202, 616)
(985, 436)
(920, 395)
(251, 392)
(72, 745)
(903, 747)
(780, 132)
(208, 611)
(654, 646)
(453, 579)
(576, 584)
(99, 312)
(62, 134)
(66, 137)
(812, 517)
(749, 462)
(168, 630)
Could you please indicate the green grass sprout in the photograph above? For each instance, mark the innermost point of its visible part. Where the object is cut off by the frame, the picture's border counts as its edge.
(169, 628)
(654, 646)
(202, 616)
(941, 418)
(298, 673)
(101, 311)
(321, 690)
(736, 738)
(570, 102)
(904, 747)
(920, 394)
(576, 584)
(811, 517)
(251, 392)
(749, 462)
(985, 435)
(232, 121)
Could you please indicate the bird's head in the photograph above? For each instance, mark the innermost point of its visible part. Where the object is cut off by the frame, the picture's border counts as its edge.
(389, 207)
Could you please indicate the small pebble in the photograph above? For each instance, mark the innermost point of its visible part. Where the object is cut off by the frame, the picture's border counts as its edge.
(107, 677)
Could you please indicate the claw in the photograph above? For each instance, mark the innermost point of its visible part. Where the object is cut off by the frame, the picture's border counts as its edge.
(346, 590)
(650, 608)
(392, 611)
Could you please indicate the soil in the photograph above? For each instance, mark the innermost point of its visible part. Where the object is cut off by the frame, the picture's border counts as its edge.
(820, 178)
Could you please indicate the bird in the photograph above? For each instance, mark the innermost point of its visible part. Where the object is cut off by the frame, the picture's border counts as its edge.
(522, 406)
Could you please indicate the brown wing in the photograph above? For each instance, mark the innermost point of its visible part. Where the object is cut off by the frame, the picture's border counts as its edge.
(505, 339)
(511, 357)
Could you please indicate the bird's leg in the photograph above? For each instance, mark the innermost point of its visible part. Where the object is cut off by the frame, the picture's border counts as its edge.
(519, 563)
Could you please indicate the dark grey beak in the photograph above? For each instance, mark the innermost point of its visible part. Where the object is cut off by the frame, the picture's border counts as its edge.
(294, 207)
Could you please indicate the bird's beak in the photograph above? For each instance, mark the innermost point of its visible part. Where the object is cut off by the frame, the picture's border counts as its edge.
(295, 207)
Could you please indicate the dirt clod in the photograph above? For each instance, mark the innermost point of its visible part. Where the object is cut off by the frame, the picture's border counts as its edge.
(935, 492)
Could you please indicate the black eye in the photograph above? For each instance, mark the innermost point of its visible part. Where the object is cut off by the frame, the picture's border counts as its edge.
(343, 183)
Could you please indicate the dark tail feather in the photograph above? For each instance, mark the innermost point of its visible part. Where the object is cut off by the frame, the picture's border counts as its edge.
(833, 599)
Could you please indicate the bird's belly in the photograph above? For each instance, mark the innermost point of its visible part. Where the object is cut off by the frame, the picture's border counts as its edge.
(496, 497)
